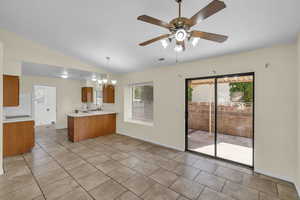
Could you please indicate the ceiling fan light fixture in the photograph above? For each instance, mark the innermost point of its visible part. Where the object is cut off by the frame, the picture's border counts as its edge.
(195, 41)
(65, 76)
(180, 35)
(104, 81)
(114, 82)
(178, 48)
(164, 43)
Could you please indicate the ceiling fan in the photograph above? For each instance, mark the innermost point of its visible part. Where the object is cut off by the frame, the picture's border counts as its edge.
(180, 27)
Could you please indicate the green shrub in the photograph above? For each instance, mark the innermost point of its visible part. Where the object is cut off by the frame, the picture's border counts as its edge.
(246, 88)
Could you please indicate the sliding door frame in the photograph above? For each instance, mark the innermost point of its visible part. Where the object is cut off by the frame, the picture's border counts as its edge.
(215, 110)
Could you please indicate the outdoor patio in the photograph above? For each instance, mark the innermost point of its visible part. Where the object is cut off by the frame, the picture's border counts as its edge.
(235, 148)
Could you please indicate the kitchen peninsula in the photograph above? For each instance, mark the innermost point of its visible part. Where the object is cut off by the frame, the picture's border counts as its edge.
(87, 125)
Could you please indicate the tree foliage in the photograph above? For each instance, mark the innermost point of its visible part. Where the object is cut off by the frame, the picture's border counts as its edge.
(245, 87)
(190, 93)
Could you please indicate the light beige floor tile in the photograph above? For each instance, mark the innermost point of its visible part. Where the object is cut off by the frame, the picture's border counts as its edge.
(239, 192)
(287, 193)
(138, 184)
(167, 164)
(92, 180)
(7, 166)
(18, 171)
(11, 184)
(122, 174)
(82, 170)
(131, 162)
(214, 182)
(145, 168)
(264, 196)
(41, 161)
(73, 163)
(41, 169)
(164, 177)
(260, 184)
(187, 171)
(77, 194)
(276, 180)
(187, 159)
(230, 174)
(187, 188)
(111, 154)
(59, 188)
(209, 194)
(182, 198)
(107, 191)
(51, 176)
(205, 165)
(27, 192)
(65, 157)
(87, 153)
(128, 196)
(119, 156)
(41, 197)
(12, 159)
(96, 160)
(109, 166)
(159, 192)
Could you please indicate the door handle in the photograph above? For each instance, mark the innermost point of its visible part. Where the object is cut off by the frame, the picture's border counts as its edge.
(47, 109)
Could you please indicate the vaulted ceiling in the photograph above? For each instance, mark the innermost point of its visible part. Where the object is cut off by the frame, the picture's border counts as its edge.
(94, 29)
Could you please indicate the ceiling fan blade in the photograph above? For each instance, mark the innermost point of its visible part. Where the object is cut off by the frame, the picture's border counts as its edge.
(209, 36)
(151, 20)
(211, 9)
(154, 40)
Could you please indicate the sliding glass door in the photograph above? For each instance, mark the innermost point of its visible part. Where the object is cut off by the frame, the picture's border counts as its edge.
(219, 117)
(201, 126)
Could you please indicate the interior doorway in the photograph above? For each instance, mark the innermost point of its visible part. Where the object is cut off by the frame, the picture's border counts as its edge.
(220, 117)
(44, 102)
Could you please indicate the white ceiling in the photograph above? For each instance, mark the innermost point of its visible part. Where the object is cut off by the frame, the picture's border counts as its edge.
(91, 30)
(33, 69)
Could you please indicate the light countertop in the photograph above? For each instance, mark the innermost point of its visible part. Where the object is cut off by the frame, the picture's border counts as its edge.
(82, 114)
(18, 119)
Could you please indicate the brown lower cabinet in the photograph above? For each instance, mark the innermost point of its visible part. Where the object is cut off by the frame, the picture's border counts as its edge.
(18, 138)
(81, 128)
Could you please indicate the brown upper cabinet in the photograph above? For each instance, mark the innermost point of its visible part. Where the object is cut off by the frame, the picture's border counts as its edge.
(87, 94)
(11, 90)
(108, 94)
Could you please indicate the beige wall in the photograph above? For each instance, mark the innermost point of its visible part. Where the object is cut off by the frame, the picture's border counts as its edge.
(1, 103)
(275, 87)
(68, 94)
(18, 50)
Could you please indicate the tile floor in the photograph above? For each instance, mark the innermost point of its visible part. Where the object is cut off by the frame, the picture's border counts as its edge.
(123, 168)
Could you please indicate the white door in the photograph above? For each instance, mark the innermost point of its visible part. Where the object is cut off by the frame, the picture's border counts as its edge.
(44, 105)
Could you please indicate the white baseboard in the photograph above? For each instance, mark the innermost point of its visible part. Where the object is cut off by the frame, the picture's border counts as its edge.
(58, 126)
(153, 142)
(274, 176)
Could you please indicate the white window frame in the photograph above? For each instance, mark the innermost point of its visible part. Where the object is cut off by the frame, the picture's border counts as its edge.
(128, 99)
